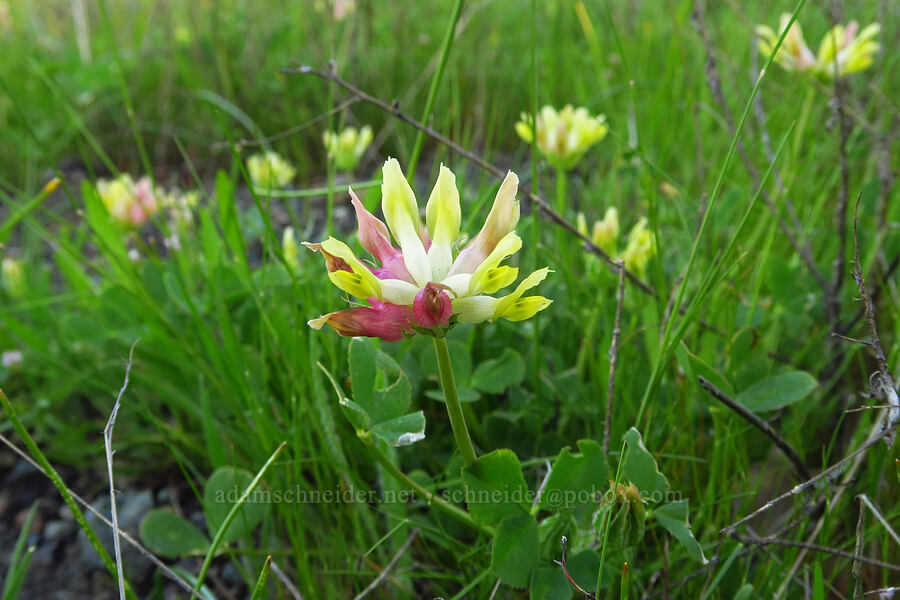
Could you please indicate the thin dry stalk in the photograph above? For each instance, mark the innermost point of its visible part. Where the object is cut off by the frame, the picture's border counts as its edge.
(614, 358)
(761, 425)
(390, 566)
(107, 443)
(285, 580)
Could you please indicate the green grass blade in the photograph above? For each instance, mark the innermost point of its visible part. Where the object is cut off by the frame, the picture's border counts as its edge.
(260, 587)
(220, 534)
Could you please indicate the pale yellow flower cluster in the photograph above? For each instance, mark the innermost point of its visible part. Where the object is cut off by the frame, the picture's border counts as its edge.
(563, 136)
(180, 206)
(12, 275)
(639, 249)
(130, 203)
(269, 171)
(844, 49)
(348, 146)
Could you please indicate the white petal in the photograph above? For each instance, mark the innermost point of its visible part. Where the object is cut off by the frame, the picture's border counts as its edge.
(459, 283)
(398, 202)
(442, 215)
(397, 291)
(475, 309)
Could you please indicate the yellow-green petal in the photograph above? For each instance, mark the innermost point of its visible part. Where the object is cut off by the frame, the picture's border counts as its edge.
(442, 216)
(354, 284)
(506, 303)
(494, 280)
(506, 247)
(398, 203)
(524, 308)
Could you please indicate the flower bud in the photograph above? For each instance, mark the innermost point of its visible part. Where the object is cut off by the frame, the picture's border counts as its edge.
(12, 271)
(624, 508)
(347, 147)
(562, 136)
(606, 232)
(269, 171)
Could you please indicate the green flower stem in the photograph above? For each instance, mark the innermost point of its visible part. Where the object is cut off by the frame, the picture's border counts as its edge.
(223, 528)
(561, 186)
(432, 500)
(560, 191)
(432, 91)
(451, 398)
(609, 515)
(330, 166)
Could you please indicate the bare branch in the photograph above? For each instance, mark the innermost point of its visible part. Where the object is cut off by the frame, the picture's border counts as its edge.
(817, 548)
(764, 427)
(881, 380)
(828, 473)
(291, 588)
(562, 563)
(856, 569)
(865, 500)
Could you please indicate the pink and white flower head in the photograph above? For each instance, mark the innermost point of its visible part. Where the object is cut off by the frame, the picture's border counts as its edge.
(794, 54)
(423, 285)
(845, 49)
(130, 204)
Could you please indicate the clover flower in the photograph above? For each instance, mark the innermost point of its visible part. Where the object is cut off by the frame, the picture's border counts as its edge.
(564, 136)
(269, 170)
(348, 146)
(640, 249)
(180, 207)
(11, 359)
(129, 203)
(424, 286)
(794, 54)
(290, 248)
(604, 233)
(845, 49)
(12, 275)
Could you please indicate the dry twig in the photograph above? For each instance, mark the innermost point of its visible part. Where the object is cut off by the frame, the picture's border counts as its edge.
(817, 548)
(760, 424)
(107, 443)
(389, 567)
(614, 358)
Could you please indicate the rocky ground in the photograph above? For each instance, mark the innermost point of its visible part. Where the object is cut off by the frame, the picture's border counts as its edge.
(64, 565)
